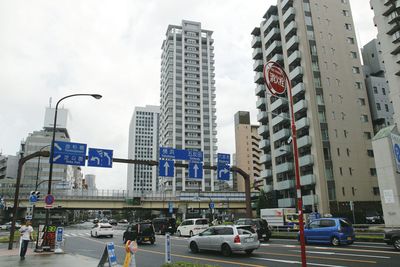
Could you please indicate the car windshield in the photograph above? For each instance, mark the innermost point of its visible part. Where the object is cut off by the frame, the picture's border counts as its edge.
(105, 226)
(246, 228)
(243, 232)
(146, 228)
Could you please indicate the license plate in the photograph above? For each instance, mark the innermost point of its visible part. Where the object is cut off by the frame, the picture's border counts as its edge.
(146, 239)
(249, 239)
(349, 238)
(264, 235)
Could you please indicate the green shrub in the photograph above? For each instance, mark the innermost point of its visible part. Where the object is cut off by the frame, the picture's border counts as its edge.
(187, 264)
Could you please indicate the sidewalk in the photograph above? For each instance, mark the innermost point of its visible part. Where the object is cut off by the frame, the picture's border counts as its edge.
(10, 258)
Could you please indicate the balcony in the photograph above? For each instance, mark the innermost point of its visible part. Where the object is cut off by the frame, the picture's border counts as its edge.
(294, 58)
(284, 167)
(289, 14)
(296, 73)
(260, 90)
(290, 29)
(263, 130)
(299, 88)
(300, 106)
(310, 200)
(259, 78)
(307, 180)
(258, 65)
(304, 141)
(286, 202)
(285, 185)
(273, 34)
(304, 122)
(272, 21)
(257, 53)
(286, 3)
(266, 174)
(306, 160)
(278, 103)
(268, 188)
(274, 47)
(260, 104)
(282, 150)
(256, 42)
(292, 44)
(277, 58)
(262, 116)
(263, 144)
(280, 118)
(265, 158)
(281, 134)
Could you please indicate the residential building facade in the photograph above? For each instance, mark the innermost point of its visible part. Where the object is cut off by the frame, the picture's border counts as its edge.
(248, 153)
(316, 43)
(188, 105)
(143, 144)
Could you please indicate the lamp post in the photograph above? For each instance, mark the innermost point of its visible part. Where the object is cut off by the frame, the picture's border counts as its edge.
(96, 96)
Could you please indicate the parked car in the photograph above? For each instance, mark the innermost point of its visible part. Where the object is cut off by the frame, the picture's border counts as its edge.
(123, 221)
(7, 226)
(164, 225)
(191, 227)
(102, 229)
(227, 239)
(393, 238)
(112, 222)
(141, 232)
(260, 226)
(373, 217)
(334, 231)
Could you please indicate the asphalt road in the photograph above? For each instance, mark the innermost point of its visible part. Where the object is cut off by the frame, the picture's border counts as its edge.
(276, 252)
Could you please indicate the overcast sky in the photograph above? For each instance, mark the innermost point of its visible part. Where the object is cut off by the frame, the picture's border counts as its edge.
(49, 49)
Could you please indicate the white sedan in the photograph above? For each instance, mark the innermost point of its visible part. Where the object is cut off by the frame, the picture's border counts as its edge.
(102, 229)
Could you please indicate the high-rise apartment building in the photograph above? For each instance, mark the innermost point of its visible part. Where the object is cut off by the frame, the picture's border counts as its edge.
(376, 85)
(316, 43)
(247, 152)
(143, 144)
(188, 112)
(386, 19)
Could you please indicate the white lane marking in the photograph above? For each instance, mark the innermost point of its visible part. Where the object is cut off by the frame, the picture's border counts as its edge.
(265, 245)
(344, 254)
(73, 234)
(359, 250)
(67, 235)
(356, 244)
(87, 234)
(296, 262)
(289, 246)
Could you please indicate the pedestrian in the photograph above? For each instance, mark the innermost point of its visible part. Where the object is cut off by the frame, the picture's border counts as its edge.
(26, 236)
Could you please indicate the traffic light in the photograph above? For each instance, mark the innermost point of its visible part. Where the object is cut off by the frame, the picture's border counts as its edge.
(35, 194)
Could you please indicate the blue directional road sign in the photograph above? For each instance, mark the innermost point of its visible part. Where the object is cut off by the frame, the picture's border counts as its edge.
(69, 153)
(212, 205)
(224, 158)
(196, 170)
(167, 153)
(100, 158)
(223, 172)
(166, 168)
(181, 154)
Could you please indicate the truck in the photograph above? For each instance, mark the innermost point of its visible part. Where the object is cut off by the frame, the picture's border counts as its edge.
(280, 217)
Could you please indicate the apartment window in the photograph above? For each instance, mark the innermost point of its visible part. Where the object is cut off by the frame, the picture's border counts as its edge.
(383, 91)
(356, 70)
(338, 152)
(333, 115)
(375, 190)
(378, 106)
(364, 118)
(341, 171)
(343, 115)
(361, 101)
(345, 133)
(336, 134)
(353, 54)
(348, 152)
(350, 40)
(367, 135)
(372, 171)
(346, 13)
(386, 107)
(375, 89)
(337, 82)
(358, 85)
(350, 171)
(353, 191)
(343, 192)
(370, 153)
(348, 26)
(332, 51)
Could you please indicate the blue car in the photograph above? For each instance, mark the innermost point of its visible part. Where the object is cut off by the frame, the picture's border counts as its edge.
(334, 231)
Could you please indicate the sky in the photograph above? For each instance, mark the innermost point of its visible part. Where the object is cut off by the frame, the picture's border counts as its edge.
(50, 49)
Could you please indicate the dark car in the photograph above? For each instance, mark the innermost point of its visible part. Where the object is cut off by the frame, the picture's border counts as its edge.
(164, 225)
(113, 222)
(141, 232)
(393, 238)
(260, 226)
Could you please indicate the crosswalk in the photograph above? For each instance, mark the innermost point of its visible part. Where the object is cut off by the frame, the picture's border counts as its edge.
(85, 234)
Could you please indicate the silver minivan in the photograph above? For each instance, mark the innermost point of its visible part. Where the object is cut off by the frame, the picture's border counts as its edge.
(227, 239)
(191, 227)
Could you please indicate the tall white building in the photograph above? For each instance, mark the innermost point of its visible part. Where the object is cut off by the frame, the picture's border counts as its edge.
(386, 19)
(143, 144)
(188, 106)
(90, 181)
(316, 43)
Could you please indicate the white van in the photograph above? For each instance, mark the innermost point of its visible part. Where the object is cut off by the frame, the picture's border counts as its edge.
(192, 227)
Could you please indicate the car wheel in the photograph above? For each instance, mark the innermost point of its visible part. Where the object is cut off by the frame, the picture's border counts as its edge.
(191, 233)
(396, 243)
(267, 237)
(179, 233)
(111, 236)
(226, 250)
(152, 241)
(335, 241)
(91, 234)
(249, 251)
(193, 247)
(96, 235)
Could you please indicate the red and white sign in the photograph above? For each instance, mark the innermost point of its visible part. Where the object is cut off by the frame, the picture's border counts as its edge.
(49, 200)
(275, 78)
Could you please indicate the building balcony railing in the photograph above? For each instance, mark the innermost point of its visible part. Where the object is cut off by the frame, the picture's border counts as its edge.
(262, 116)
(296, 73)
(257, 53)
(273, 34)
(299, 88)
(259, 78)
(280, 118)
(290, 29)
(260, 90)
(300, 106)
(307, 179)
(285, 185)
(264, 144)
(268, 188)
(283, 150)
(256, 41)
(289, 14)
(286, 202)
(304, 141)
(260, 104)
(293, 43)
(265, 158)
(278, 103)
(258, 65)
(304, 122)
(294, 58)
(274, 47)
(266, 174)
(310, 200)
(263, 130)
(272, 21)
(306, 160)
(286, 3)
(284, 167)
(277, 58)
(281, 134)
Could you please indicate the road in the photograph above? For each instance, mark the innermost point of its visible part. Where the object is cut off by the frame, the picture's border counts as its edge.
(276, 252)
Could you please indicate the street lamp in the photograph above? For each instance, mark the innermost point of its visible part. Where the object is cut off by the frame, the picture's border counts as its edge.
(96, 96)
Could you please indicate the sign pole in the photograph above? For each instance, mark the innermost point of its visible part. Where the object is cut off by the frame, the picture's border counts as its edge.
(276, 81)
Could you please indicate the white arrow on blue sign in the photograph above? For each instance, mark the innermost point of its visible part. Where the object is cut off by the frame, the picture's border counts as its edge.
(166, 168)
(223, 172)
(69, 153)
(100, 157)
(196, 170)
